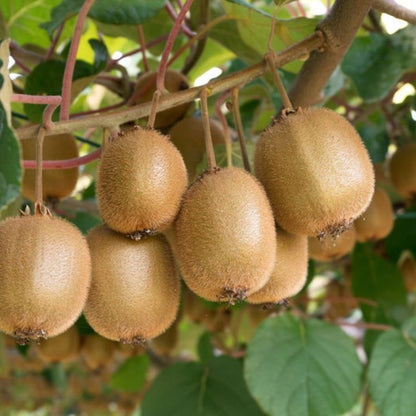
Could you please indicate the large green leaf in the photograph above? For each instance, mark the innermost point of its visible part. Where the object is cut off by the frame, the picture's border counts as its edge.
(376, 62)
(131, 12)
(131, 375)
(298, 367)
(10, 166)
(403, 236)
(23, 18)
(379, 280)
(192, 389)
(392, 371)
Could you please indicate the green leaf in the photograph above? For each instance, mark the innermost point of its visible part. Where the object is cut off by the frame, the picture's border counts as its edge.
(23, 18)
(378, 280)
(403, 236)
(131, 12)
(205, 350)
(10, 165)
(375, 138)
(375, 63)
(85, 221)
(131, 375)
(191, 389)
(302, 367)
(392, 371)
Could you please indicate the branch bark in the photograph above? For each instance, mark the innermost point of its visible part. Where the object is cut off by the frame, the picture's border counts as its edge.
(339, 28)
(111, 119)
(396, 10)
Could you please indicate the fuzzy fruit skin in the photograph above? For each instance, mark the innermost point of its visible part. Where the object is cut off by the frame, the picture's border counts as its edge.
(135, 289)
(97, 351)
(188, 136)
(45, 274)
(407, 266)
(402, 170)
(63, 347)
(330, 248)
(225, 235)
(174, 81)
(290, 271)
(141, 181)
(56, 183)
(378, 219)
(316, 171)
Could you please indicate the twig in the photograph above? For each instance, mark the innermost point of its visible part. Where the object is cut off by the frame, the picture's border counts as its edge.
(55, 40)
(226, 130)
(153, 111)
(207, 131)
(65, 163)
(38, 177)
(143, 48)
(215, 86)
(365, 325)
(36, 99)
(239, 126)
(70, 63)
(160, 79)
(185, 29)
(394, 9)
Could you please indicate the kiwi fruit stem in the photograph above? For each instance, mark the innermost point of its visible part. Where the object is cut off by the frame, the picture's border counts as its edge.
(207, 131)
(38, 182)
(153, 111)
(239, 126)
(276, 77)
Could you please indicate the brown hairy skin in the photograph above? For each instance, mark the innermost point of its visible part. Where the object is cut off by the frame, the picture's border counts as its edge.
(134, 293)
(378, 219)
(165, 343)
(290, 270)
(402, 170)
(225, 236)
(97, 351)
(331, 248)
(56, 183)
(141, 181)
(174, 81)
(407, 266)
(316, 171)
(63, 347)
(188, 136)
(45, 273)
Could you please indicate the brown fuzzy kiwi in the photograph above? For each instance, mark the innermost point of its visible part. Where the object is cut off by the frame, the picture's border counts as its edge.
(331, 248)
(290, 270)
(134, 293)
(378, 219)
(217, 320)
(63, 347)
(97, 351)
(407, 266)
(45, 273)
(402, 170)
(174, 81)
(188, 136)
(193, 308)
(225, 236)
(165, 343)
(316, 171)
(140, 184)
(56, 183)
(339, 300)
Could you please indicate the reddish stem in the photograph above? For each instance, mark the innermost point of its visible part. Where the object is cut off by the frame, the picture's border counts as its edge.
(21, 65)
(47, 116)
(185, 29)
(64, 164)
(98, 110)
(143, 47)
(36, 99)
(55, 40)
(70, 63)
(160, 80)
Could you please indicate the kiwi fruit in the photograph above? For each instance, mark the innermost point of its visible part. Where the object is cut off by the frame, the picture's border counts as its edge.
(134, 293)
(140, 183)
(225, 236)
(45, 273)
(165, 343)
(218, 319)
(407, 266)
(63, 347)
(188, 136)
(193, 307)
(331, 248)
(339, 300)
(402, 170)
(316, 171)
(56, 183)
(174, 82)
(378, 219)
(290, 271)
(97, 351)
